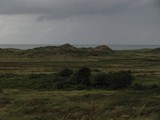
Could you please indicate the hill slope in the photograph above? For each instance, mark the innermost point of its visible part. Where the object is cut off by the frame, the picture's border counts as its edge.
(68, 49)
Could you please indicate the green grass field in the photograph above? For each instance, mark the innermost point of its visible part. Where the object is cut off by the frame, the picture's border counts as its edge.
(140, 102)
(18, 104)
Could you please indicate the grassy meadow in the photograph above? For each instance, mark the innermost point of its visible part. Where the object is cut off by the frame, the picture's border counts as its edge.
(22, 78)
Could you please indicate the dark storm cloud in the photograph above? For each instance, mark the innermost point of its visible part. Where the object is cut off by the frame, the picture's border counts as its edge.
(87, 7)
(62, 8)
(23, 7)
(90, 21)
(58, 9)
(157, 3)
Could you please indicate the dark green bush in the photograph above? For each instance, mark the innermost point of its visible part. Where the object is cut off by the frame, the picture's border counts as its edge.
(65, 72)
(119, 79)
(65, 79)
(99, 79)
(82, 76)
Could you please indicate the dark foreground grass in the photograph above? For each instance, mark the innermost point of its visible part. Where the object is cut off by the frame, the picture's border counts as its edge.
(16, 104)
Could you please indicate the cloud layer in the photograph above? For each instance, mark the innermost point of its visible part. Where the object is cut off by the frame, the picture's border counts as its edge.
(63, 8)
(80, 21)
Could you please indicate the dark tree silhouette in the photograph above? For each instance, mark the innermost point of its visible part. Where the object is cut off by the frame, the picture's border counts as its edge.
(82, 76)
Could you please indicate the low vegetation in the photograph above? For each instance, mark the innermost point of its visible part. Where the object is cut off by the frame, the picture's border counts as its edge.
(83, 78)
(69, 83)
(18, 104)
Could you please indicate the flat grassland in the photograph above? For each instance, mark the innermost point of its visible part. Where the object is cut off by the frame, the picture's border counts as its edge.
(140, 102)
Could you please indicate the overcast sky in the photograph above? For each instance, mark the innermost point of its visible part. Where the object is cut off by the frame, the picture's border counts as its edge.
(80, 21)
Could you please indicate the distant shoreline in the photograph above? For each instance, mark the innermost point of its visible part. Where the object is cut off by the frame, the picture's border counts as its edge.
(113, 46)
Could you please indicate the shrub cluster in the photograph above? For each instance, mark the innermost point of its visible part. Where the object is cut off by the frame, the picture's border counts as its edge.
(120, 79)
(83, 78)
(112, 80)
(66, 72)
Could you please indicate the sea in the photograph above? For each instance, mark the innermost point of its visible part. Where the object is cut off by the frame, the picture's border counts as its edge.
(114, 47)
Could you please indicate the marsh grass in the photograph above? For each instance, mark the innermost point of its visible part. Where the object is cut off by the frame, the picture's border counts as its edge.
(18, 104)
(139, 102)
